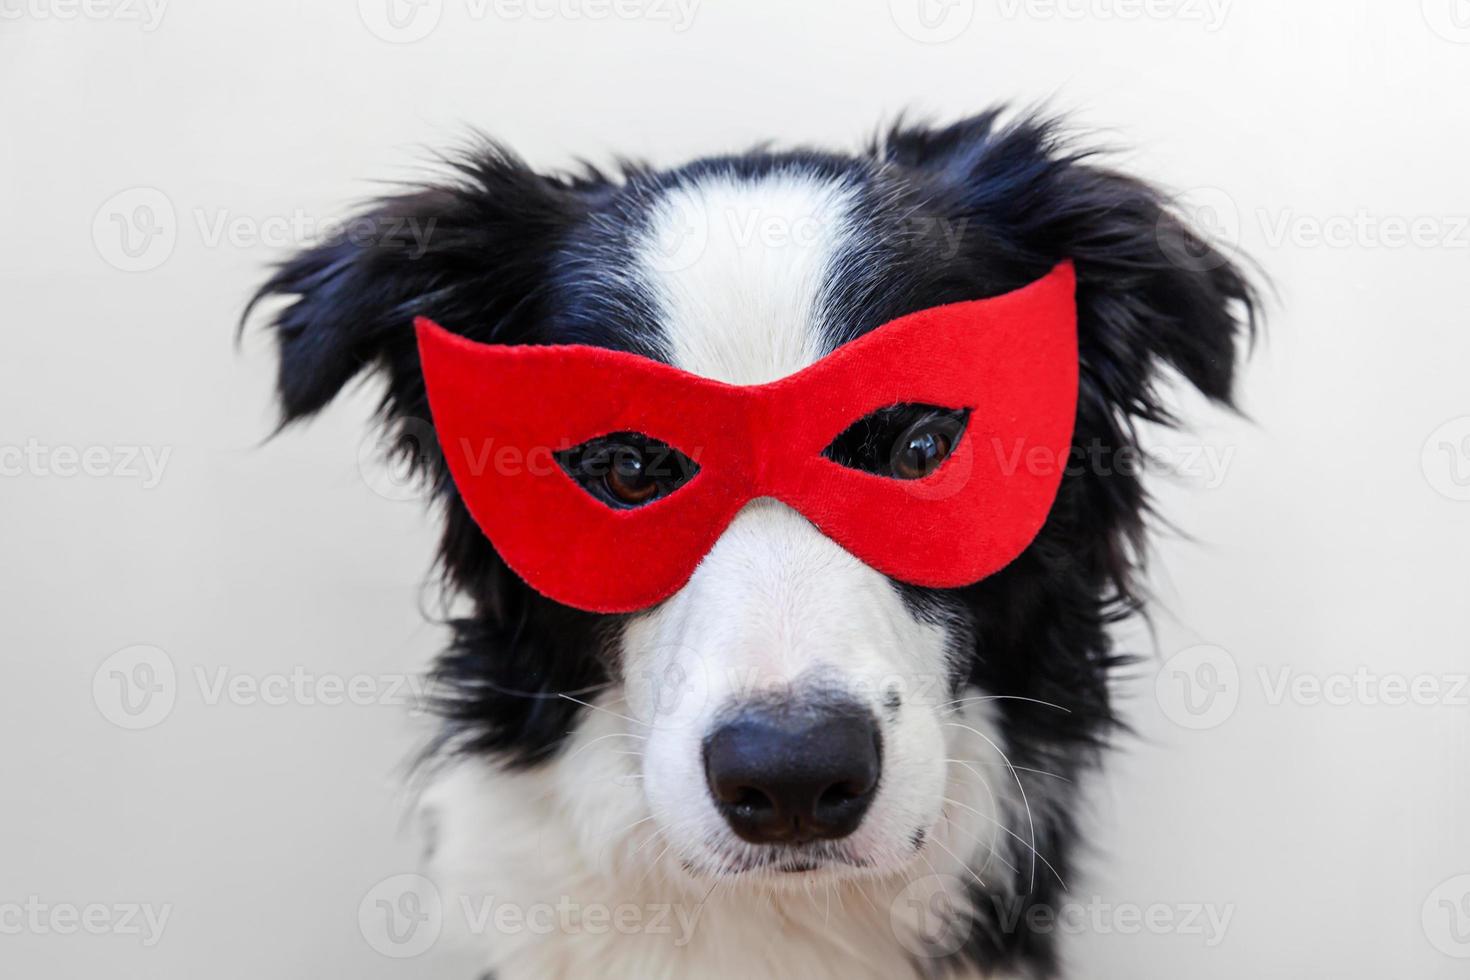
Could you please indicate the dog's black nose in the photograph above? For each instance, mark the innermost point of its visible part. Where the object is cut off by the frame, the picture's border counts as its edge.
(791, 772)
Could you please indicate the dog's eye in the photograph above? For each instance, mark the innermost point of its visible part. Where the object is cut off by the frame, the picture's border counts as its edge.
(627, 469)
(905, 442)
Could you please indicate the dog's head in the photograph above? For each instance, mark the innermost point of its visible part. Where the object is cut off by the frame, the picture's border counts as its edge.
(790, 711)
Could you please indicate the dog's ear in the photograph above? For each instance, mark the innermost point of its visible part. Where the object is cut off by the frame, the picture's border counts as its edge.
(470, 252)
(1152, 293)
(1151, 290)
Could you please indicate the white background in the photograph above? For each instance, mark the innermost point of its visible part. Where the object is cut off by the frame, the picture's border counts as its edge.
(1331, 540)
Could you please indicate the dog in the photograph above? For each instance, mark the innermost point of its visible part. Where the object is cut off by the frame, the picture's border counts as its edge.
(610, 778)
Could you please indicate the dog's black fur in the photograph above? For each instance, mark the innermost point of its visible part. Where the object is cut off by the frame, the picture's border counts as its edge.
(506, 261)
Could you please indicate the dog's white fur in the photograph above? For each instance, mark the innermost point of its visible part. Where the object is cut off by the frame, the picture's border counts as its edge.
(623, 819)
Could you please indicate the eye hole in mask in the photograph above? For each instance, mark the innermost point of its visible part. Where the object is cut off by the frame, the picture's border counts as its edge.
(627, 469)
(903, 442)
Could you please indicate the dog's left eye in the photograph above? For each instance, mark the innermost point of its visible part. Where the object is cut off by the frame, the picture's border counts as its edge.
(627, 469)
(905, 442)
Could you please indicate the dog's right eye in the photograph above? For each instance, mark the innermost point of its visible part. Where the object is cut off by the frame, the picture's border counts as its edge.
(627, 469)
(904, 442)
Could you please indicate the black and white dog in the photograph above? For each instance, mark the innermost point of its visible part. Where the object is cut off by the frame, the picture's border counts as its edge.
(575, 770)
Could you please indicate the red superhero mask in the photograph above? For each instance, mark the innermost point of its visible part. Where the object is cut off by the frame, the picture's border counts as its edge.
(603, 478)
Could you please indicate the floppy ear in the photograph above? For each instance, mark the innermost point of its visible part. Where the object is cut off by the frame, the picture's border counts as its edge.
(1152, 293)
(473, 253)
(1152, 290)
(470, 251)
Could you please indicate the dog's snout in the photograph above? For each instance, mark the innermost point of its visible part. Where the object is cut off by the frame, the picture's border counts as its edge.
(792, 772)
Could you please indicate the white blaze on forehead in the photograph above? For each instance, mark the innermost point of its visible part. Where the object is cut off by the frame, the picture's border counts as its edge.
(738, 269)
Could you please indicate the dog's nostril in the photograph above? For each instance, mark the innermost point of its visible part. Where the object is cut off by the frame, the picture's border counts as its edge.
(750, 798)
(793, 772)
(839, 793)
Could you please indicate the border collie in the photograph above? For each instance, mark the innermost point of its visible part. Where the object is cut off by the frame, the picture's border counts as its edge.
(571, 782)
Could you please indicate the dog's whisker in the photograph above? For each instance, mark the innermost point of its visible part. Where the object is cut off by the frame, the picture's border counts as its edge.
(963, 864)
(595, 707)
(1019, 839)
(1003, 697)
(998, 765)
(587, 745)
(653, 864)
(1030, 819)
(990, 795)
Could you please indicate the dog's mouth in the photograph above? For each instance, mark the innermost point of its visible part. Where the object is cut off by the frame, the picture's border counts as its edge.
(795, 860)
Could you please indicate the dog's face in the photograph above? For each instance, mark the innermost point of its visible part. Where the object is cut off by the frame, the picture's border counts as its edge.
(791, 697)
(791, 712)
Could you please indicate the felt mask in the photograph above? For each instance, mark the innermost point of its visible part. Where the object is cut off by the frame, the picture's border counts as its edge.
(603, 478)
